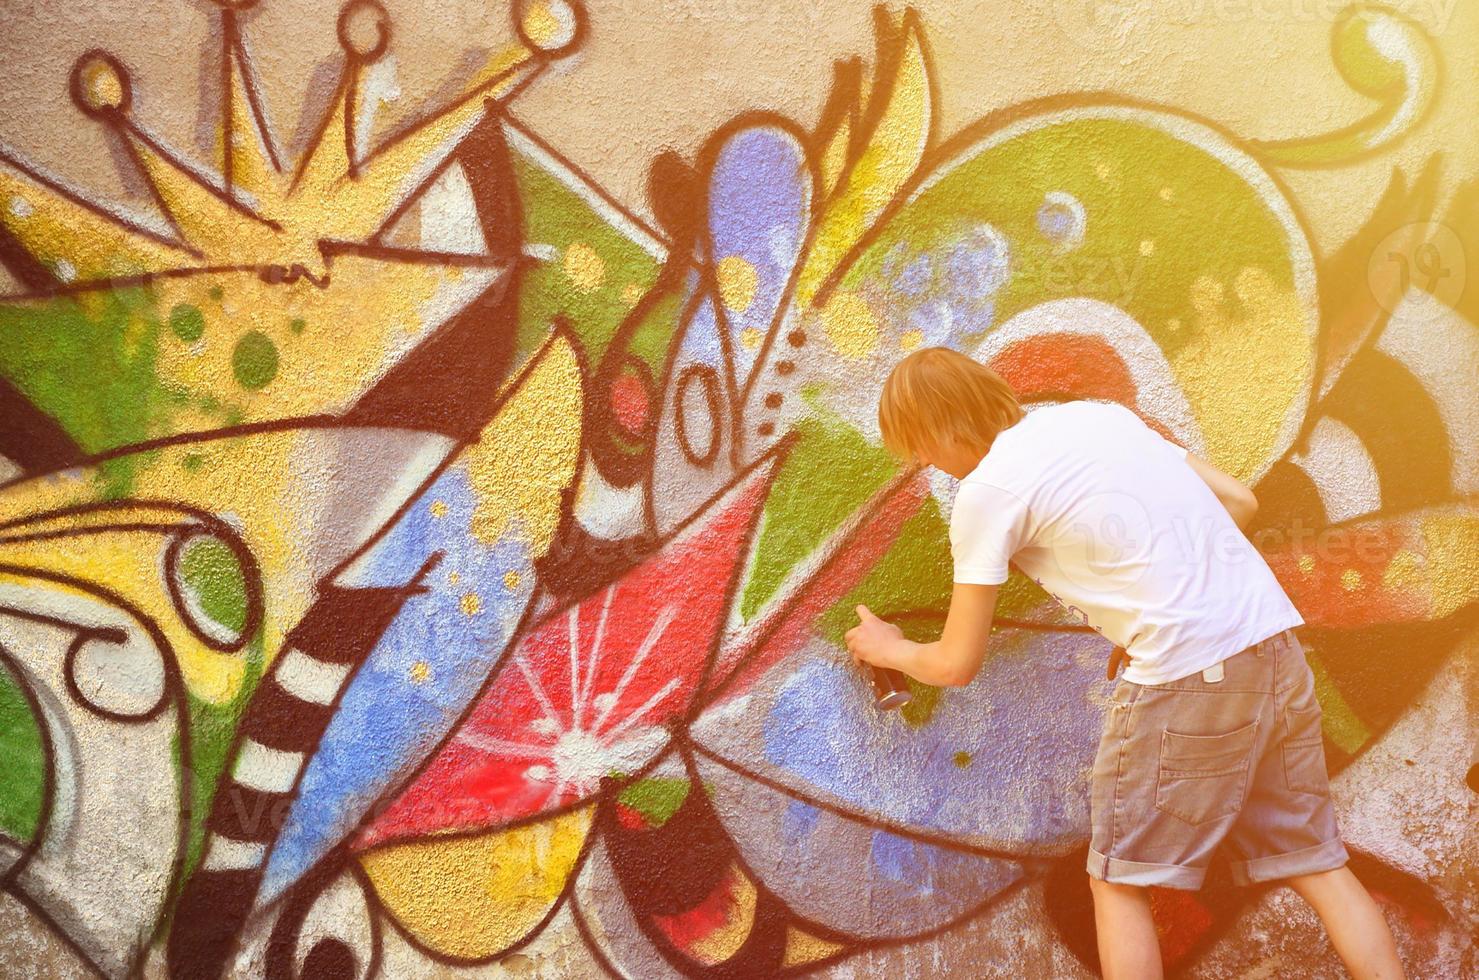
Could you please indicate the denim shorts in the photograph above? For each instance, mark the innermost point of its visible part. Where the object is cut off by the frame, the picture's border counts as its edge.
(1187, 765)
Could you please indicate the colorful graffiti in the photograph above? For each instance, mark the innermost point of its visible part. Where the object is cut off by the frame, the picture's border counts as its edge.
(414, 560)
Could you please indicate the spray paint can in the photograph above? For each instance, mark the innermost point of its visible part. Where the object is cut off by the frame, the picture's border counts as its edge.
(890, 690)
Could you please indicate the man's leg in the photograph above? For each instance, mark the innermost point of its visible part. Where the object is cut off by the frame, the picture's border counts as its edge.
(1357, 929)
(1128, 946)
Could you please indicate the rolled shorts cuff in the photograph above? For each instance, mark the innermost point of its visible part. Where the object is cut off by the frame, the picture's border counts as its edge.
(1306, 861)
(1120, 872)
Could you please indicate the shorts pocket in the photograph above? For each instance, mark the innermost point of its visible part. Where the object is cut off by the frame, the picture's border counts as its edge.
(1203, 777)
(1304, 751)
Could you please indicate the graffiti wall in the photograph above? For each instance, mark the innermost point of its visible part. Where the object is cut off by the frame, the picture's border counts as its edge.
(440, 460)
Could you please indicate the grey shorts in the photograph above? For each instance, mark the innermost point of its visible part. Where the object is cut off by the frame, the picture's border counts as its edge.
(1186, 765)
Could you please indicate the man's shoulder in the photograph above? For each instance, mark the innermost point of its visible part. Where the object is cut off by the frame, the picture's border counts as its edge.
(987, 485)
(1087, 425)
(1008, 483)
(1051, 435)
(1081, 408)
(1069, 415)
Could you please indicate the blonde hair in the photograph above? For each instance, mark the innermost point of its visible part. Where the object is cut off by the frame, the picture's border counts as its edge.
(936, 396)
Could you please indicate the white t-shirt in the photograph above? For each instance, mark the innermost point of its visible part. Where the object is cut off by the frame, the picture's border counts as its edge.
(1107, 516)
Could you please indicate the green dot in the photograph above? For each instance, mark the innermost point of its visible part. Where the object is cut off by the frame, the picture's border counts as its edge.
(298, 324)
(192, 461)
(187, 322)
(214, 576)
(216, 293)
(254, 361)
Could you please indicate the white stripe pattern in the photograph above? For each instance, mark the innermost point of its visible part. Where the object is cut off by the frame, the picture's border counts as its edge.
(266, 769)
(227, 854)
(309, 679)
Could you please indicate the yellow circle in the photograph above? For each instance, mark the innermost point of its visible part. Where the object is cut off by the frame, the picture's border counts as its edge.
(511, 579)
(910, 339)
(548, 25)
(750, 338)
(472, 604)
(850, 325)
(737, 280)
(584, 267)
(102, 86)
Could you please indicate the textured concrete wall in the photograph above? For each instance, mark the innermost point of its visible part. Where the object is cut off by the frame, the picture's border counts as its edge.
(440, 461)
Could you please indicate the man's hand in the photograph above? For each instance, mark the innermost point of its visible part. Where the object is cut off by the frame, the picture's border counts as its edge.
(950, 661)
(872, 640)
(1117, 660)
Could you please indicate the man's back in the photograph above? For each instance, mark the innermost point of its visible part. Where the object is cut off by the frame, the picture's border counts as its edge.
(1109, 518)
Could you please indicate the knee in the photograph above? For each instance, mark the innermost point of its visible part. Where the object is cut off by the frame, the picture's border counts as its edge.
(1312, 886)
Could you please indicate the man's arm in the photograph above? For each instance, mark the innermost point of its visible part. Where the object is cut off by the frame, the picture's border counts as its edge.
(1238, 499)
(987, 525)
(950, 661)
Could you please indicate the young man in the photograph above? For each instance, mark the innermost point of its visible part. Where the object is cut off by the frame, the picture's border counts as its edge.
(1213, 733)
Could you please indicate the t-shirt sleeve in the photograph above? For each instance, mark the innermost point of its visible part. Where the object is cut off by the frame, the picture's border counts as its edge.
(987, 526)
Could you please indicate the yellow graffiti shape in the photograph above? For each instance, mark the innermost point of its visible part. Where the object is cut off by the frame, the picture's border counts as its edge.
(129, 566)
(74, 241)
(850, 325)
(472, 897)
(803, 948)
(529, 452)
(737, 281)
(1245, 400)
(1452, 541)
(585, 269)
(254, 212)
(251, 481)
(901, 107)
(329, 344)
